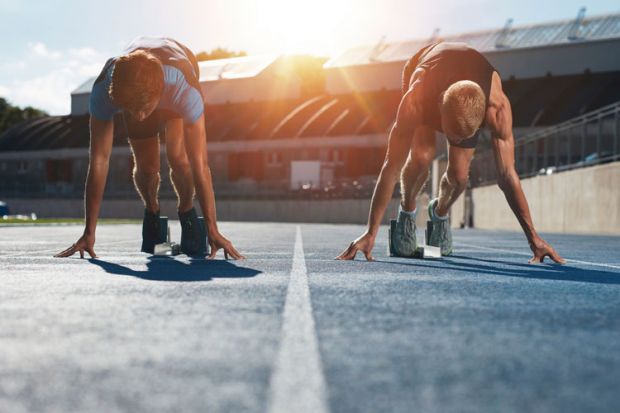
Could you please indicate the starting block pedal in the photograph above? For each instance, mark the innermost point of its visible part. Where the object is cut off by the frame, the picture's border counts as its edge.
(428, 251)
(167, 248)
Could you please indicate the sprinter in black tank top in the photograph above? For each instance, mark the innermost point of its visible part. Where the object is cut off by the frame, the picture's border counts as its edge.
(450, 88)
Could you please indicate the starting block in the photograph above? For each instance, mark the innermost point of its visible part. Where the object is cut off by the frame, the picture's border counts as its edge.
(425, 251)
(166, 248)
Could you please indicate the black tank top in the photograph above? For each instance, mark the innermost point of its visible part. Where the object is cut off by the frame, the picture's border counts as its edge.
(444, 64)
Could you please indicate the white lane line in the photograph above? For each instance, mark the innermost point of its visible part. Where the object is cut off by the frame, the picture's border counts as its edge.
(597, 264)
(297, 384)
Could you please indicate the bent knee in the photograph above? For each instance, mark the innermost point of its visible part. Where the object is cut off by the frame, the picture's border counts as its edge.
(180, 167)
(458, 178)
(420, 159)
(146, 169)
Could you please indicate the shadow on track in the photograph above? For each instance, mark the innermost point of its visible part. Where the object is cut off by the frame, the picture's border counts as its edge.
(510, 269)
(169, 269)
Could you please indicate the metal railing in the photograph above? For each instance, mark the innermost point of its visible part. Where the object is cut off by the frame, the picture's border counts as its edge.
(587, 140)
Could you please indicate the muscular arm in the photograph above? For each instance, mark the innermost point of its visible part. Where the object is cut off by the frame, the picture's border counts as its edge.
(398, 148)
(499, 120)
(399, 143)
(101, 137)
(507, 177)
(196, 148)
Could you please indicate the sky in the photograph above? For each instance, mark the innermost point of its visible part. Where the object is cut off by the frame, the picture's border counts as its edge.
(49, 47)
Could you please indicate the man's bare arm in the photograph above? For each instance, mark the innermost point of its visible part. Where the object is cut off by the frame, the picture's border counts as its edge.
(499, 120)
(196, 148)
(399, 143)
(101, 138)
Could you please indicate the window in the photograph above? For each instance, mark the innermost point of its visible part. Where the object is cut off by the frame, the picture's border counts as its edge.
(274, 159)
(59, 170)
(23, 167)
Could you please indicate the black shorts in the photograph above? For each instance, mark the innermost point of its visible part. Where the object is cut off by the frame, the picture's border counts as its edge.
(154, 125)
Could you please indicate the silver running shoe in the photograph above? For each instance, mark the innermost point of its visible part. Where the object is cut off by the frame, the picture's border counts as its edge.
(402, 236)
(439, 233)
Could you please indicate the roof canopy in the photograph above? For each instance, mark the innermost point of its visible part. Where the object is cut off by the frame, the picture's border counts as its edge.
(545, 34)
(235, 67)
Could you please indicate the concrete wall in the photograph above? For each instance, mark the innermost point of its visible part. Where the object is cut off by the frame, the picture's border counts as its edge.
(584, 200)
(345, 211)
(580, 201)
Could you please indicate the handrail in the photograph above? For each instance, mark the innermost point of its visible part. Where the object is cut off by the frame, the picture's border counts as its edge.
(571, 123)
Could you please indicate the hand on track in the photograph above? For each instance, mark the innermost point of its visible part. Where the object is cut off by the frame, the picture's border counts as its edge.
(218, 241)
(541, 250)
(365, 244)
(85, 243)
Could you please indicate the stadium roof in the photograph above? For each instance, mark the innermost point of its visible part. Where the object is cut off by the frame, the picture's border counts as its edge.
(211, 70)
(235, 67)
(580, 29)
(85, 87)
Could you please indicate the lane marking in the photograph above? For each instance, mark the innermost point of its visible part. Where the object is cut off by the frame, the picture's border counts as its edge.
(597, 264)
(297, 383)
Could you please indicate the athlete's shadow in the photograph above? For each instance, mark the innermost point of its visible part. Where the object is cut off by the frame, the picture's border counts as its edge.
(557, 272)
(170, 269)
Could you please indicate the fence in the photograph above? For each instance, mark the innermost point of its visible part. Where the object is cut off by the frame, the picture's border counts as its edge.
(590, 139)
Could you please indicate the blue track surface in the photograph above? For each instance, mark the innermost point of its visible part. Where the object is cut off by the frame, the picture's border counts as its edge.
(481, 331)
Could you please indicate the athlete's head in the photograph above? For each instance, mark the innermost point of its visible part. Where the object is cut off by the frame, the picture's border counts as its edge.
(137, 83)
(462, 107)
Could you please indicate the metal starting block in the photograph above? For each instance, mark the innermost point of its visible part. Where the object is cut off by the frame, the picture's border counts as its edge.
(167, 248)
(425, 251)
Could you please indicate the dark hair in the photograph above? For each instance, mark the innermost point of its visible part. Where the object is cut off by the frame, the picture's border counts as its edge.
(137, 79)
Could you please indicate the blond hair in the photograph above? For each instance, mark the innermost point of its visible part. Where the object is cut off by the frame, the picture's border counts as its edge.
(463, 107)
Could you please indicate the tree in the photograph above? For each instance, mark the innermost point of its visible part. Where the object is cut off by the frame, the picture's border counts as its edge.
(11, 115)
(219, 53)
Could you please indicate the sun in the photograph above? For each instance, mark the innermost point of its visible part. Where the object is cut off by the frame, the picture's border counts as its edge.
(303, 26)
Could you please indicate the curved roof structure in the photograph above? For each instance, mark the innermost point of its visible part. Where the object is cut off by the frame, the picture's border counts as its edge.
(535, 102)
(51, 132)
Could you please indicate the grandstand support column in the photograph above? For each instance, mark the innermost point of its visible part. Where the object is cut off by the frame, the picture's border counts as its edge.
(599, 136)
(569, 147)
(545, 153)
(616, 132)
(438, 167)
(435, 176)
(584, 131)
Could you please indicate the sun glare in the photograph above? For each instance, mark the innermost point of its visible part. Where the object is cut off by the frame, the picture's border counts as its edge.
(304, 26)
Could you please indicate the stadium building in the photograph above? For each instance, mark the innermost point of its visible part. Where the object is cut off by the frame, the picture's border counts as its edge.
(269, 138)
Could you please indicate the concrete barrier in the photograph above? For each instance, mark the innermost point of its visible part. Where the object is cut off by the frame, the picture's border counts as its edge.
(585, 200)
(337, 211)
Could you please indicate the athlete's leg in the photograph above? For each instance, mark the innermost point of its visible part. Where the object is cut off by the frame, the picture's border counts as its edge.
(415, 172)
(454, 180)
(180, 171)
(146, 170)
